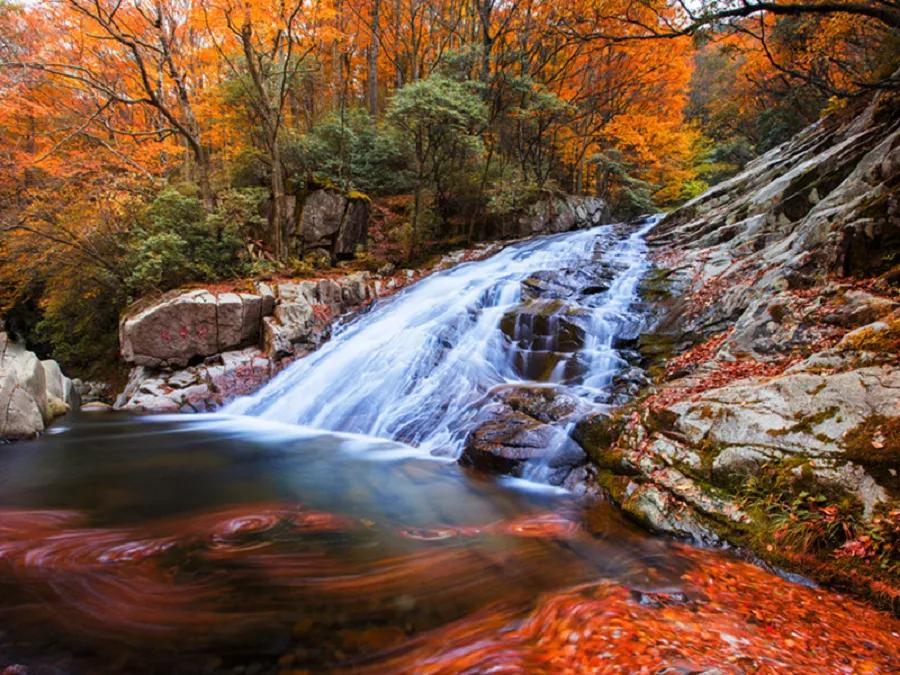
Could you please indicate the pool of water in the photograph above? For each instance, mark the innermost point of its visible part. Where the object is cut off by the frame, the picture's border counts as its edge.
(226, 544)
(213, 541)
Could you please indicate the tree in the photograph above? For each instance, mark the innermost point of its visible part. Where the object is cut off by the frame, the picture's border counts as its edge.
(265, 63)
(642, 20)
(442, 118)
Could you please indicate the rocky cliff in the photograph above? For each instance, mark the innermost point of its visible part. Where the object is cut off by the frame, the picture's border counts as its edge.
(774, 417)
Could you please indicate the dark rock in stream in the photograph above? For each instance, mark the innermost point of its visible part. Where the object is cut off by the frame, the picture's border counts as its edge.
(526, 424)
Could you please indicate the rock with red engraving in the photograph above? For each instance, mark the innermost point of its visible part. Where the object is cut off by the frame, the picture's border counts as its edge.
(186, 325)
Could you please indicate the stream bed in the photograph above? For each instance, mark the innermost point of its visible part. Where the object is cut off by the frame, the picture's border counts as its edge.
(296, 533)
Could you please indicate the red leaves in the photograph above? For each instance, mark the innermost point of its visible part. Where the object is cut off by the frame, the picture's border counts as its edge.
(321, 313)
(698, 354)
(726, 614)
(721, 374)
(861, 547)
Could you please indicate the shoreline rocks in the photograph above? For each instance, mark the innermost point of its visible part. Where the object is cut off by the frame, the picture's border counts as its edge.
(32, 392)
(195, 350)
(773, 418)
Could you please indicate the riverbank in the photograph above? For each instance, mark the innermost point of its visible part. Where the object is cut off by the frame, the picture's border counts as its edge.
(772, 419)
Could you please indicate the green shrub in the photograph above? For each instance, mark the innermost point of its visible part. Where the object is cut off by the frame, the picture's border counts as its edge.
(174, 242)
(353, 152)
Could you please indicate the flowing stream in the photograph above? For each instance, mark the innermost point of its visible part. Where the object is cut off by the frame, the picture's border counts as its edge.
(247, 544)
(414, 367)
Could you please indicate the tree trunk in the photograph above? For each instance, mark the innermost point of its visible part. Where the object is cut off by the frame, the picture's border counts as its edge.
(398, 8)
(373, 59)
(206, 193)
(280, 215)
(414, 235)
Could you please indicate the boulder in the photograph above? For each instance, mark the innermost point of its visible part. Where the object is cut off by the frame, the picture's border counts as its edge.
(60, 390)
(32, 392)
(335, 222)
(517, 426)
(185, 325)
(562, 214)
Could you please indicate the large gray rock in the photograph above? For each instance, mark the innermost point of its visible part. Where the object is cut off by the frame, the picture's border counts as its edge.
(517, 426)
(562, 214)
(805, 415)
(185, 325)
(795, 371)
(335, 222)
(32, 392)
(822, 203)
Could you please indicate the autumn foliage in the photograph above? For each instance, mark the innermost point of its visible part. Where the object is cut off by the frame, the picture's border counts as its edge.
(474, 109)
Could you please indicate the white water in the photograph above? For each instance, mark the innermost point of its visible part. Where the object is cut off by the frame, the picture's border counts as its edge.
(415, 366)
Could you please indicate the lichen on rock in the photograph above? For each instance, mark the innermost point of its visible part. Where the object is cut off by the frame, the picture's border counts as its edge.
(772, 419)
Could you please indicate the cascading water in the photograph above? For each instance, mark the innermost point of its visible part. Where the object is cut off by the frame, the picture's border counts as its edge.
(219, 544)
(547, 310)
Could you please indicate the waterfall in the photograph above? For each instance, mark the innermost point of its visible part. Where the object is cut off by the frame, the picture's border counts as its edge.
(547, 310)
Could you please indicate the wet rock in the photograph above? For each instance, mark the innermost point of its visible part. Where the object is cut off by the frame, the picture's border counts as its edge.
(545, 325)
(517, 426)
(548, 284)
(544, 338)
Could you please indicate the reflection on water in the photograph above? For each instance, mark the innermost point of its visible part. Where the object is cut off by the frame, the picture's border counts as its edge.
(221, 544)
